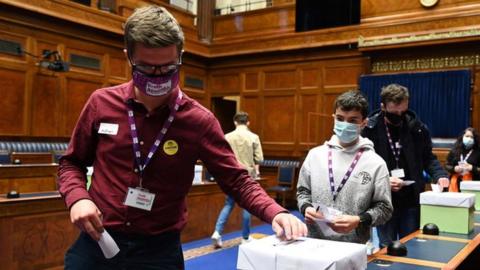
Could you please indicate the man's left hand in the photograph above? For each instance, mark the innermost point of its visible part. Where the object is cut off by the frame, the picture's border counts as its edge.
(443, 182)
(345, 223)
(287, 226)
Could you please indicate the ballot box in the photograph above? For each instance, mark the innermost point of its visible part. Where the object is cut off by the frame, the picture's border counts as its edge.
(472, 187)
(308, 253)
(451, 212)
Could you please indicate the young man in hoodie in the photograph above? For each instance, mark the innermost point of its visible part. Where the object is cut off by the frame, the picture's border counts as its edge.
(404, 142)
(346, 174)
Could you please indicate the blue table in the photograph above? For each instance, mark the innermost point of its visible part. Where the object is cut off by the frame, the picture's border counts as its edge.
(445, 251)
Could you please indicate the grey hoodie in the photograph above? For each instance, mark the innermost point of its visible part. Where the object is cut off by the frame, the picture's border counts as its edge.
(366, 191)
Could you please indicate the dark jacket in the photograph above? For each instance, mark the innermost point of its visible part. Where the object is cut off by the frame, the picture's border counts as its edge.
(473, 159)
(416, 146)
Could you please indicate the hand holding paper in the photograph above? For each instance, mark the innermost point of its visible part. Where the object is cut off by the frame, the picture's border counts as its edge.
(108, 245)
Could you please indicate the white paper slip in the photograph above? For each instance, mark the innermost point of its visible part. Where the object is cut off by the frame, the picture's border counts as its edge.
(108, 245)
(329, 213)
(407, 182)
(436, 188)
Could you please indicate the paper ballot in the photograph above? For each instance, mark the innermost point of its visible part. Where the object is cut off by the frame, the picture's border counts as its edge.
(407, 182)
(329, 214)
(108, 245)
(436, 188)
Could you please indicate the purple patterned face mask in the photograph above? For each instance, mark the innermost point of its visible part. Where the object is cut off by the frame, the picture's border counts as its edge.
(155, 85)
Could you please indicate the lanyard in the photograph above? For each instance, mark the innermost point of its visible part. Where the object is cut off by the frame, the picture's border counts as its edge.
(465, 159)
(347, 174)
(161, 134)
(396, 154)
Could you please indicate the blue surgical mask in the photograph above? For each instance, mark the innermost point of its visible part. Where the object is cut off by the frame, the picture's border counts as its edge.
(346, 132)
(468, 142)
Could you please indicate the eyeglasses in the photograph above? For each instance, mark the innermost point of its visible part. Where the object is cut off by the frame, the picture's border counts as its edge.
(157, 70)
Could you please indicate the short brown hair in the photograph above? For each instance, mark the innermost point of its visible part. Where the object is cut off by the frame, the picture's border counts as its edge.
(241, 118)
(395, 93)
(352, 100)
(154, 27)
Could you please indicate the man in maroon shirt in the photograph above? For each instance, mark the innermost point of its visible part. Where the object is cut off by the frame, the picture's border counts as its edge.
(143, 139)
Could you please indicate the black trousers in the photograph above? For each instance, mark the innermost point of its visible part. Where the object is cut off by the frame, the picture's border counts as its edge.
(159, 252)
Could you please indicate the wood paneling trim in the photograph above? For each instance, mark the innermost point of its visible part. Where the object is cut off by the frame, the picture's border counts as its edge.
(73, 12)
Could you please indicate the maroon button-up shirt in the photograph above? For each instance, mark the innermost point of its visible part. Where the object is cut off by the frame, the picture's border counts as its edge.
(198, 136)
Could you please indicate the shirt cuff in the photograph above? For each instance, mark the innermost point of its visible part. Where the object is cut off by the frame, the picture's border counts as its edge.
(304, 207)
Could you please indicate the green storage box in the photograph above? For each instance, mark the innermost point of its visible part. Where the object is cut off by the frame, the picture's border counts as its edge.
(451, 212)
(472, 187)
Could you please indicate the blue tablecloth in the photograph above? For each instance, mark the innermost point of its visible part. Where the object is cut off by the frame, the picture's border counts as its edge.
(397, 266)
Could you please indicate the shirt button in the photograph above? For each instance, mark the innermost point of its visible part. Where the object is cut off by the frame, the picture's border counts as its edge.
(141, 142)
(128, 223)
(147, 115)
(136, 170)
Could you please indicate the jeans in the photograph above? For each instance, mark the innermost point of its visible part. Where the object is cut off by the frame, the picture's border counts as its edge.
(144, 252)
(403, 222)
(225, 213)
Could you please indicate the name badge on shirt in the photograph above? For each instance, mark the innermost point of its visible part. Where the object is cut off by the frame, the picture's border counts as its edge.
(139, 198)
(398, 173)
(107, 128)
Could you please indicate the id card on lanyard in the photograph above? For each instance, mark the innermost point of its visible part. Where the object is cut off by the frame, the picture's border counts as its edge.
(395, 147)
(140, 197)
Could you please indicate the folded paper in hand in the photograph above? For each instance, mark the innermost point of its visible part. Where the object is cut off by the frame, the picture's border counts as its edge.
(108, 245)
(309, 254)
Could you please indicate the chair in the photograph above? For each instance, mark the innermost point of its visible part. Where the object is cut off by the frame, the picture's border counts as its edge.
(5, 157)
(286, 184)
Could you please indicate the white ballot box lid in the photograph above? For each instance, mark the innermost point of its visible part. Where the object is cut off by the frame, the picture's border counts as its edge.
(470, 185)
(308, 253)
(447, 199)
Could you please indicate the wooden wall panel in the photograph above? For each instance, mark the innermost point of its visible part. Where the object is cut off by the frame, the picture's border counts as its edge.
(13, 102)
(119, 67)
(280, 79)
(45, 106)
(252, 105)
(279, 119)
(78, 92)
(225, 83)
(251, 82)
(309, 78)
(308, 121)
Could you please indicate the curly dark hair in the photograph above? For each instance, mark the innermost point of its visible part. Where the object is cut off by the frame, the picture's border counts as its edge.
(458, 147)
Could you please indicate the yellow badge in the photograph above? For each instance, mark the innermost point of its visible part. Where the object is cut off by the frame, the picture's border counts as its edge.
(170, 147)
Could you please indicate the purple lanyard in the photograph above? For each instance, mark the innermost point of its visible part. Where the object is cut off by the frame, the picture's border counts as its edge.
(396, 154)
(347, 174)
(161, 134)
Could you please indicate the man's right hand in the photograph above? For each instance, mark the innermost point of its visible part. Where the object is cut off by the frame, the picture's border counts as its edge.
(396, 183)
(311, 214)
(86, 216)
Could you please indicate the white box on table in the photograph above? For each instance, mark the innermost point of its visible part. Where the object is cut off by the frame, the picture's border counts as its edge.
(307, 254)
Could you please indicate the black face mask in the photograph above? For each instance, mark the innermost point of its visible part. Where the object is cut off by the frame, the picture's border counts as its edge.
(395, 119)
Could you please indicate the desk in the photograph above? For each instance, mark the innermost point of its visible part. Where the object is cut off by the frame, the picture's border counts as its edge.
(28, 177)
(445, 251)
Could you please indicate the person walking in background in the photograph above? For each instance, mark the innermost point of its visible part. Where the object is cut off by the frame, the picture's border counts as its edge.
(346, 175)
(463, 160)
(248, 151)
(404, 142)
(143, 139)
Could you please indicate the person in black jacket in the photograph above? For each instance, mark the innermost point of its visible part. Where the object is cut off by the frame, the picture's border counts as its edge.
(404, 142)
(463, 160)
